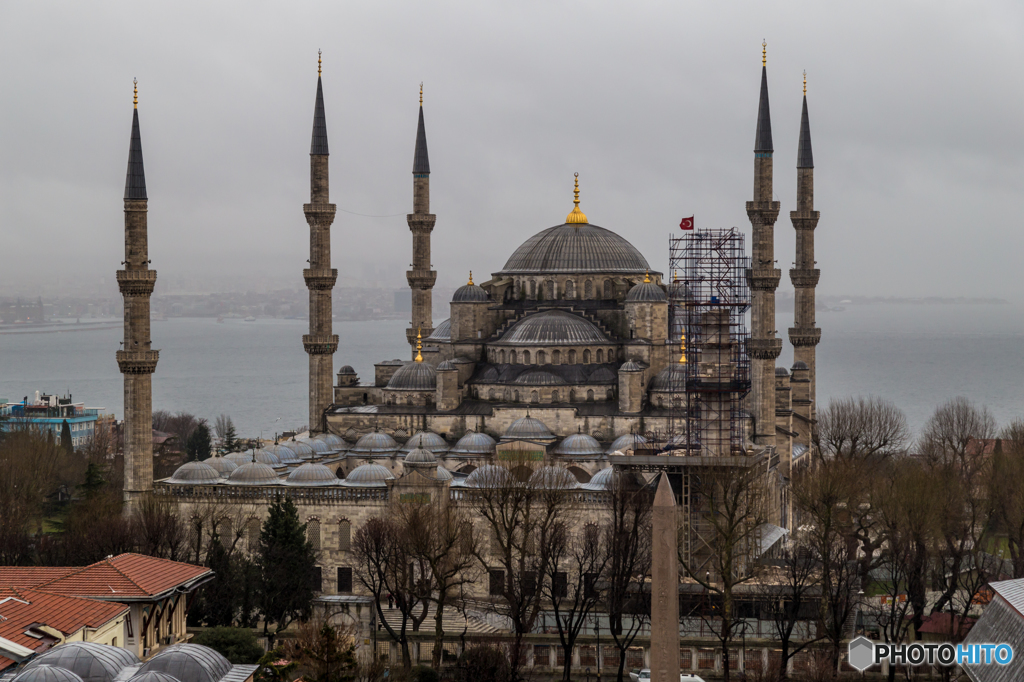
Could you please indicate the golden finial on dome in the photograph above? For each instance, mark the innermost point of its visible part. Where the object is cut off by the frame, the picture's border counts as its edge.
(764, 53)
(319, 62)
(682, 348)
(805, 82)
(577, 215)
(421, 93)
(135, 82)
(419, 344)
(470, 282)
(647, 277)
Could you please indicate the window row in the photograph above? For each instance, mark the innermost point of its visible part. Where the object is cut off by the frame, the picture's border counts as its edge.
(555, 357)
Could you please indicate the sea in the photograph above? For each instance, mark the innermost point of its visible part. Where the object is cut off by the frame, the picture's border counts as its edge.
(915, 355)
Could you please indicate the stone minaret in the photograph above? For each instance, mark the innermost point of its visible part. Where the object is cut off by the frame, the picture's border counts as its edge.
(763, 346)
(320, 343)
(137, 360)
(804, 335)
(421, 222)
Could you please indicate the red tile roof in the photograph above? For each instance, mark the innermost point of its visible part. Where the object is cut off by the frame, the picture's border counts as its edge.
(124, 576)
(22, 608)
(29, 576)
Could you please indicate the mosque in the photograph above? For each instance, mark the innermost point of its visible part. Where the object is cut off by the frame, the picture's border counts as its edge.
(570, 356)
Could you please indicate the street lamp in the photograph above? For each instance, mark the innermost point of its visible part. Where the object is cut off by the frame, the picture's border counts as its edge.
(597, 634)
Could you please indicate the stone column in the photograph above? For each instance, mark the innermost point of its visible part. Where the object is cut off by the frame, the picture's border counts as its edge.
(665, 586)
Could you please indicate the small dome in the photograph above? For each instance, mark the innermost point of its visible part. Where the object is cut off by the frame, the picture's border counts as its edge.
(194, 473)
(368, 476)
(154, 676)
(646, 292)
(539, 377)
(92, 662)
(446, 366)
(267, 457)
(489, 476)
(223, 465)
(625, 442)
(302, 449)
(420, 456)
(284, 454)
(781, 372)
(528, 428)
(311, 474)
(474, 444)
(335, 442)
(239, 458)
(414, 376)
(630, 366)
(575, 249)
(443, 474)
(320, 447)
(489, 375)
(471, 293)
(579, 445)
(672, 379)
(47, 673)
(427, 440)
(253, 473)
(375, 443)
(553, 328)
(553, 478)
(442, 332)
(346, 370)
(800, 364)
(188, 662)
(603, 375)
(602, 480)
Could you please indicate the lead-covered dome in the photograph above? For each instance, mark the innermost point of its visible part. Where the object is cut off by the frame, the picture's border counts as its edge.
(442, 332)
(474, 444)
(284, 454)
(629, 441)
(311, 474)
(375, 443)
(470, 293)
(672, 379)
(553, 328)
(420, 456)
(239, 458)
(646, 292)
(191, 662)
(91, 661)
(47, 673)
(575, 249)
(528, 428)
(414, 376)
(195, 473)
(553, 478)
(579, 445)
(223, 465)
(368, 476)
(427, 440)
(253, 473)
(490, 476)
(302, 449)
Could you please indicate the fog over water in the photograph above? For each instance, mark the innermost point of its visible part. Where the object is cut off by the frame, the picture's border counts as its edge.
(914, 355)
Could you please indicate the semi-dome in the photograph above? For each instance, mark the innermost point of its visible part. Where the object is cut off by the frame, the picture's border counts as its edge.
(575, 249)
(553, 328)
(553, 478)
(579, 445)
(47, 673)
(195, 473)
(470, 293)
(253, 473)
(414, 376)
(539, 377)
(375, 443)
(442, 332)
(368, 476)
(474, 444)
(646, 292)
(443, 474)
(528, 428)
(302, 449)
(489, 476)
(239, 458)
(284, 454)
(672, 379)
(188, 662)
(602, 480)
(420, 456)
(627, 441)
(91, 661)
(427, 440)
(630, 366)
(603, 375)
(312, 474)
(223, 465)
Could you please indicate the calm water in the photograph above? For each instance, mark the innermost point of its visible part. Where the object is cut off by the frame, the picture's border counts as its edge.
(916, 356)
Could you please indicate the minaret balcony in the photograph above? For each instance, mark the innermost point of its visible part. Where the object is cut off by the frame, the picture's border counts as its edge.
(320, 344)
(804, 336)
(764, 279)
(421, 221)
(764, 349)
(421, 279)
(137, 361)
(136, 282)
(804, 278)
(320, 280)
(804, 220)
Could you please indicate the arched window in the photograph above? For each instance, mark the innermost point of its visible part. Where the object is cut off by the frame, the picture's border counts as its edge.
(586, 356)
(313, 533)
(551, 292)
(611, 394)
(508, 395)
(572, 357)
(588, 290)
(526, 357)
(570, 291)
(344, 535)
(542, 358)
(600, 356)
(608, 289)
(512, 357)
(534, 397)
(554, 396)
(519, 289)
(408, 401)
(502, 356)
(572, 395)
(556, 357)
(533, 288)
(590, 396)
(490, 394)
(515, 396)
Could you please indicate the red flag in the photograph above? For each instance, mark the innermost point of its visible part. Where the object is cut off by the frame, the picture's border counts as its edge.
(686, 223)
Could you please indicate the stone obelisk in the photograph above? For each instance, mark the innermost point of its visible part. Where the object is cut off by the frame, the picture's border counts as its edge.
(664, 586)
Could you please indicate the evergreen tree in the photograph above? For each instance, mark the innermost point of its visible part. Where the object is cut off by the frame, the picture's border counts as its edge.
(65, 437)
(230, 438)
(287, 565)
(217, 607)
(199, 444)
(93, 481)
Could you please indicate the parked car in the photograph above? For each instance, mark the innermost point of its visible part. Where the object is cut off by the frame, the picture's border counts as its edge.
(645, 676)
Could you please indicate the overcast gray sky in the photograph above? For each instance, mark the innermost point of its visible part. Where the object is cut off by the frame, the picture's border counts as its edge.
(916, 115)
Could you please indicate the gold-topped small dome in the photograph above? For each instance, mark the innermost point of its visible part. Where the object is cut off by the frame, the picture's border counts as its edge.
(577, 216)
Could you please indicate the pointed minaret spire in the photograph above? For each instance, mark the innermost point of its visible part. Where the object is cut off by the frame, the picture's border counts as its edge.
(421, 223)
(420, 160)
(319, 145)
(763, 138)
(135, 182)
(804, 156)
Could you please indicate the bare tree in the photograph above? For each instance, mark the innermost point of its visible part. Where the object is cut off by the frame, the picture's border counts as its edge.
(957, 431)
(861, 428)
(159, 529)
(1006, 490)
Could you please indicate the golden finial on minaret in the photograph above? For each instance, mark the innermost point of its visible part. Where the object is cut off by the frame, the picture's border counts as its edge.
(764, 53)
(421, 93)
(577, 215)
(319, 62)
(135, 82)
(682, 348)
(470, 282)
(419, 344)
(805, 82)
(647, 277)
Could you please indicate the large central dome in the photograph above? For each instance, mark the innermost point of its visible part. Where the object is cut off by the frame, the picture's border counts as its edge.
(576, 248)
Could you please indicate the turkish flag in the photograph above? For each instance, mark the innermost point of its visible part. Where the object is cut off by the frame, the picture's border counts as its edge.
(686, 223)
